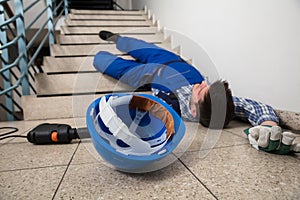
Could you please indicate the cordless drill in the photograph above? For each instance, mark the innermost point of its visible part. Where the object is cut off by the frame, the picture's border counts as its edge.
(55, 134)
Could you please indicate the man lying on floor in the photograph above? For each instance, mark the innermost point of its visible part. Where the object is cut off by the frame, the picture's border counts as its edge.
(183, 87)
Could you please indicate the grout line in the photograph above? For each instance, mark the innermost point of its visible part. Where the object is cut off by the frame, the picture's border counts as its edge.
(23, 169)
(198, 179)
(222, 147)
(63, 176)
(236, 134)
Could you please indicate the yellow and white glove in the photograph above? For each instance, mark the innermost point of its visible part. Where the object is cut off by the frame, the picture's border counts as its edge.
(272, 140)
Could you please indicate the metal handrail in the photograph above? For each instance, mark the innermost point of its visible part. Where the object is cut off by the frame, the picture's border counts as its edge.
(15, 85)
(31, 42)
(8, 44)
(31, 6)
(8, 67)
(23, 58)
(36, 18)
(38, 49)
(14, 18)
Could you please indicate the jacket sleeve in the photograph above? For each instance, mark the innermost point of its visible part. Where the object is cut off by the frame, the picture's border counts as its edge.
(253, 111)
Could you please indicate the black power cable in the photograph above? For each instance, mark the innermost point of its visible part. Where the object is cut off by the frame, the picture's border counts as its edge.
(11, 130)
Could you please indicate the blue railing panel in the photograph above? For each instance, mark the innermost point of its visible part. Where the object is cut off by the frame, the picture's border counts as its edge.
(22, 45)
(13, 35)
(50, 21)
(6, 74)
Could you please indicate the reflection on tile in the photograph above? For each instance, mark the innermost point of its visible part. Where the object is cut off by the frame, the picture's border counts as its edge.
(241, 172)
(199, 138)
(95, 181)
(30, 184)
(27, 155)
(85, 153)
(237, 127)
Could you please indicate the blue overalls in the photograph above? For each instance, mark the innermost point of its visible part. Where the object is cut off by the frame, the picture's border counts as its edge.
(153, 66)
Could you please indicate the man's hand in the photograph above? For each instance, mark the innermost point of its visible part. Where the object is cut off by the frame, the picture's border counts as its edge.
(272, 139)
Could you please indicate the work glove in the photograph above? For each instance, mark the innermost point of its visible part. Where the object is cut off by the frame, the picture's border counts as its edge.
(272, 140)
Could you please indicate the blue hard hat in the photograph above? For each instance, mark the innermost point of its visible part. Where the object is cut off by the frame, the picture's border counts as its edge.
(133, 131)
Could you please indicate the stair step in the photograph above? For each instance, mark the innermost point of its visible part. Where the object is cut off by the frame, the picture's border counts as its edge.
(78, 83)
(39, 108)
(91, 50)
(108, 17)
(115, 23)
(71, 64)
(82, 50)
(61, 65)
(95, 39)
(107, 12)
(95, 30)
(55, 107)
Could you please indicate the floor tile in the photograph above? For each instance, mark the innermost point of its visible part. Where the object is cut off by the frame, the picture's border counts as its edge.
(221, 138)
(238, 127)
(96, 181)
(192, 141)
(85, 153)
(30, 184)
(199, 138)
(26, 155)
(241, 172)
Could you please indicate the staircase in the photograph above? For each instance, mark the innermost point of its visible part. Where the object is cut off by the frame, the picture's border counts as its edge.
(69, 82)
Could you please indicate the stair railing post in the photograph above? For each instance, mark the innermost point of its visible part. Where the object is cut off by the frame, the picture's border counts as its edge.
(66, 8)
(22, 50)
(50, 22)
(6, 74)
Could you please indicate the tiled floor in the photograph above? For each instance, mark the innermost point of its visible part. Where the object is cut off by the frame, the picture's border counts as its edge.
(231, 170)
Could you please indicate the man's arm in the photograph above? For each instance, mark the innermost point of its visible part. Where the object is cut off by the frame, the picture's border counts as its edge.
(266, 135)
(255, 112)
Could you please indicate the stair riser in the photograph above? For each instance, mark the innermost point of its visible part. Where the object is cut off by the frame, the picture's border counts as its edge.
(43, 108)
(39, 108)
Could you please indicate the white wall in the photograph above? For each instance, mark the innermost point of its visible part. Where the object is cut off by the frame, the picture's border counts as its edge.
(255, 44)
(125, 4)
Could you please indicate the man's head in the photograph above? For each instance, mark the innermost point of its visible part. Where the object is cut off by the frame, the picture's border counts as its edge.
(212, 104)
